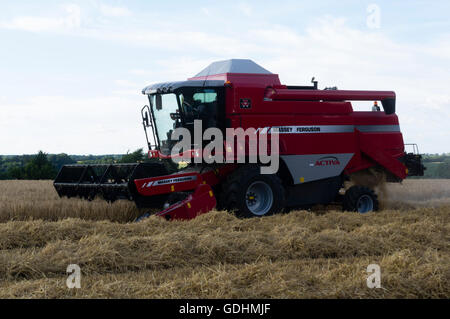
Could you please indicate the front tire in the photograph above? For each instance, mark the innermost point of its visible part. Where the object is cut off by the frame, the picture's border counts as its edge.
(249, 193)
(360, 199)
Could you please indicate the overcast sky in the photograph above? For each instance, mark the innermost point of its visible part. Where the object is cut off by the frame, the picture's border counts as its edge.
(71, 72)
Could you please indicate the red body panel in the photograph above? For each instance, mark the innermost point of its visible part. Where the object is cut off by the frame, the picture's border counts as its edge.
(329, 95)
(182, 181)
(168, 183)
(201, 201)
(295, 107)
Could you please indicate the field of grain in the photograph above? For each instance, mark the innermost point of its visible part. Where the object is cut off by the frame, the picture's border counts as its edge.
(323, 253)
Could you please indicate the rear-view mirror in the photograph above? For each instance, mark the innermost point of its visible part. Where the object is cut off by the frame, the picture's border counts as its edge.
(158, 102)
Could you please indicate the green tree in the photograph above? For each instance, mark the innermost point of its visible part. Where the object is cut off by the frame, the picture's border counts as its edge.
(15, 172)
(39, 167)
(443, 170)
(134, 157)
(139, 156)
(59, 160)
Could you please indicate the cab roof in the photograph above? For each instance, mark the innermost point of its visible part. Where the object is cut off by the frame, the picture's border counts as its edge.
(232, 66)
(168, 87)
(217, 73)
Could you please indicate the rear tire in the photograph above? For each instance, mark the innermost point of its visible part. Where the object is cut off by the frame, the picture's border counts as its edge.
(360, 199)
(249, 193)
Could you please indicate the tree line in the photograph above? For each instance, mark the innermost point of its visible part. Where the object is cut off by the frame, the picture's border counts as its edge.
(47, 166)
(438, 165)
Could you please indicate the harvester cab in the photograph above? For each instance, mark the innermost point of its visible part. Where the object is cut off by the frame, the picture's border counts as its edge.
(321, 143)
(179, 105)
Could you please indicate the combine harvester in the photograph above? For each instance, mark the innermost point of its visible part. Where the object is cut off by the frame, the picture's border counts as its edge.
(323, 142)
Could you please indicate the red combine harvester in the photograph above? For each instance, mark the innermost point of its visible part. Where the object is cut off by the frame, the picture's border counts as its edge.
(323, 142)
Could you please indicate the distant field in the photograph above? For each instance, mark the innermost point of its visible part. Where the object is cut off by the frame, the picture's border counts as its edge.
(323, 253)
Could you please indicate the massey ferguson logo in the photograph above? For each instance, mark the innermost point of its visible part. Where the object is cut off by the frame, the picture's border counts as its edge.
(246, 103)
(327, 161)
(170, 181)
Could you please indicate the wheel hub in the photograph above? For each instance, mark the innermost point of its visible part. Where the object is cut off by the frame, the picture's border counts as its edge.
(251, 198)
(364, 204)
(259, 198)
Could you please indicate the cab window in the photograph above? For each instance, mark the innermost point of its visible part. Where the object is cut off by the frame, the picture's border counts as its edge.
(207, 96)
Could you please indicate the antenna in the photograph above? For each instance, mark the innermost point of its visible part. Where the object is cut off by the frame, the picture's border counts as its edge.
(206, 77)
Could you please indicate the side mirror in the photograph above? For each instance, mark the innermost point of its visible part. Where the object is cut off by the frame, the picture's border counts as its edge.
(175, 116)
(158, 102)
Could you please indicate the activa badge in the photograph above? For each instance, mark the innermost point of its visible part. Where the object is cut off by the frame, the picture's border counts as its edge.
(246, 103)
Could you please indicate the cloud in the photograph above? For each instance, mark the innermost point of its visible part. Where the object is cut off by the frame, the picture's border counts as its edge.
(337, 55)
(330, 50)
(128, 88)
(245, 8)
(55, 124)
(70, 18)
(112, 11)
(206, 11)
(65, 22)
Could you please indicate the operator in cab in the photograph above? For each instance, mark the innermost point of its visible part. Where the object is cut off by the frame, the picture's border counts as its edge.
(197, 107)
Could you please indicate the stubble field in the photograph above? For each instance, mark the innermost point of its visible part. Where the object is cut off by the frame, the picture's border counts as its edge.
(323, 253)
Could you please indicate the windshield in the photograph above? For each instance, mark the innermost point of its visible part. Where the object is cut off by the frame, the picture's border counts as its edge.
(163, 119)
